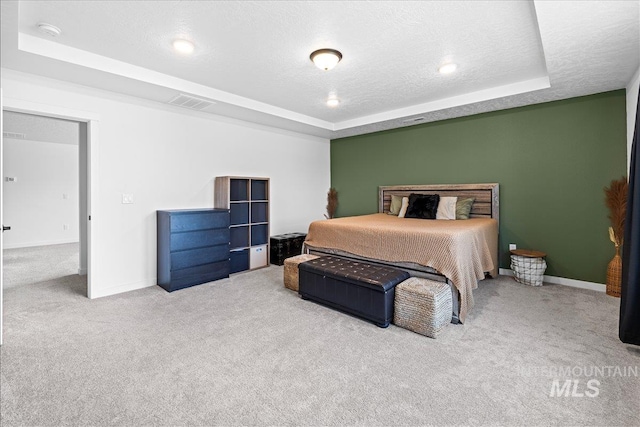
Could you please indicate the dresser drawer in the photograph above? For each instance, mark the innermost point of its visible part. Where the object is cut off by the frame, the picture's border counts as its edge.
(197, 275)
(199, 239)
(199, 221)
(195, 257)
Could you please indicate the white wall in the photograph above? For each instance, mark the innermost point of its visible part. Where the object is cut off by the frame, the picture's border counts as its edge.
(168, 159)
(632, 103)
(34, 205)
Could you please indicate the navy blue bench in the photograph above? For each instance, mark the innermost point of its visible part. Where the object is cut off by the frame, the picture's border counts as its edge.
(364, 290)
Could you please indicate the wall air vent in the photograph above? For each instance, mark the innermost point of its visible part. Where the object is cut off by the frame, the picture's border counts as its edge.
(191, 102)
(14, 135)
(413, 120)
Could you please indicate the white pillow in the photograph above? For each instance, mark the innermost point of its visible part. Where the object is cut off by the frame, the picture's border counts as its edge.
(447, 208)
(405, 206)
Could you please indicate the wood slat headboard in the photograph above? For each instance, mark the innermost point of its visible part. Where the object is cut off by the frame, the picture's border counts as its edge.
(485, 205)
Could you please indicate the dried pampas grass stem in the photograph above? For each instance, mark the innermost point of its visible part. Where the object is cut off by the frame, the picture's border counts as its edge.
(616, 199)
(332, 203)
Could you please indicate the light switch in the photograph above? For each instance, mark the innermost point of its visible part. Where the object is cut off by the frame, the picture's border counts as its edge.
(11, 178)
(65, 196)
(127, 198)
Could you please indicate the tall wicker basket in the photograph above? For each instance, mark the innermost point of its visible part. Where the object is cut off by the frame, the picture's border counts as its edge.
(614, 274)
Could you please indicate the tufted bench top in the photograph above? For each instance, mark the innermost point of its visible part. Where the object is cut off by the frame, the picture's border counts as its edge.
(376, 277)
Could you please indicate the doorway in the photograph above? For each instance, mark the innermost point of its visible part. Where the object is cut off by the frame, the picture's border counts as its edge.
(42, 196)
(88, 166)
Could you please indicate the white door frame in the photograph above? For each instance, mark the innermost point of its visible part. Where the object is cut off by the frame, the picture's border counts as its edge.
(92, 120)
(1, 215)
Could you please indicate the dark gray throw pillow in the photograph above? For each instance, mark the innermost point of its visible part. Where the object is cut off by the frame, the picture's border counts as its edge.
(423, 206)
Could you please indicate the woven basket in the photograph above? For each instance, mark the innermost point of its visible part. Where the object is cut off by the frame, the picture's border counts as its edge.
(614, 274)
(291, 270)
(422, 306)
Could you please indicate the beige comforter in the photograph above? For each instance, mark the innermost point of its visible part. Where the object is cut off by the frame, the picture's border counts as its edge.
(461, 250)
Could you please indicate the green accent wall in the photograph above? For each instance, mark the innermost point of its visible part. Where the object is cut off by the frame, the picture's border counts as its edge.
(551, 160)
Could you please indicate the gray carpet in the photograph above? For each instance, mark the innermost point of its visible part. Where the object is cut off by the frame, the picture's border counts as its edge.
(245, 350)
(36, 264)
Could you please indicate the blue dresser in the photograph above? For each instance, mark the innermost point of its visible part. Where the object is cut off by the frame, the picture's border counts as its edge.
(193, 247)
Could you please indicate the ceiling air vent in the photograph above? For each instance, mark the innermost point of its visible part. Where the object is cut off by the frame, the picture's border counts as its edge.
(191, 102)
(14, 135)
(413, 120)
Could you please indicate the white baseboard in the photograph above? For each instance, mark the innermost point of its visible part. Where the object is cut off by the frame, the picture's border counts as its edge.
(105, 292)
(564, 281)
(41, 243)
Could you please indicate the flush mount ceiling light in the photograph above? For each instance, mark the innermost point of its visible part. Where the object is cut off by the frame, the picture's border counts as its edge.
(48, 29)
(326, 59)
(333, 102)
(448, 68)
(183, 46)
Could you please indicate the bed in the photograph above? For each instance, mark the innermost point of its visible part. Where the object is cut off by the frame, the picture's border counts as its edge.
(460, 252)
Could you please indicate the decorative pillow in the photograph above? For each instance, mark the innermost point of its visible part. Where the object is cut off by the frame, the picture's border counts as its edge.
(463, 207)
(396, 204)
(405, 206)
(423, 206)
(447, 208)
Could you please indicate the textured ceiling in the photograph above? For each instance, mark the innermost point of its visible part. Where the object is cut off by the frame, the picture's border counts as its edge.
(252, 58)
(43, 129)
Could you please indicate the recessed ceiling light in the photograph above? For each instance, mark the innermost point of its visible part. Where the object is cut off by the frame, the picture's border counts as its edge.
(48, 29)
(333, 102)
(448, 68)
(183, 46)
(325, 59)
